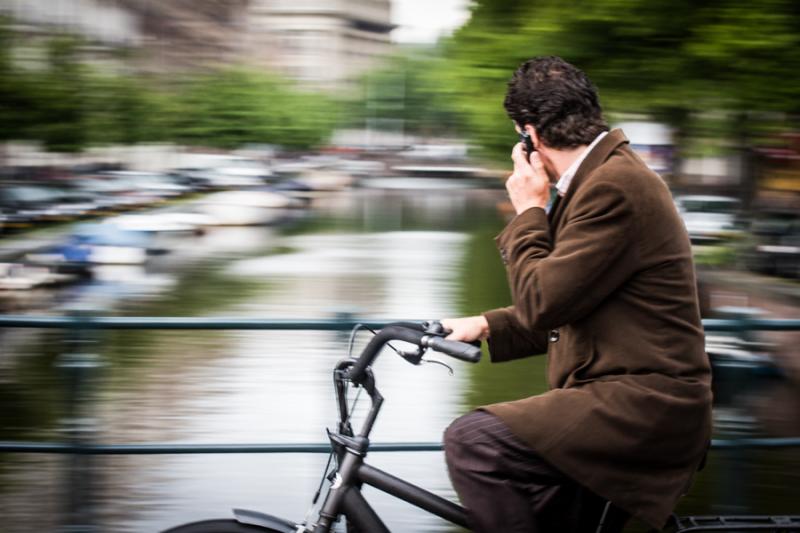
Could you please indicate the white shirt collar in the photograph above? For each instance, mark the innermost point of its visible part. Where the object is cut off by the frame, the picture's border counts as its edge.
(566, 178)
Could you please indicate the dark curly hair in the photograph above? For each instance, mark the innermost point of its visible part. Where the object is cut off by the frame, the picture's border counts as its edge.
(558, 100)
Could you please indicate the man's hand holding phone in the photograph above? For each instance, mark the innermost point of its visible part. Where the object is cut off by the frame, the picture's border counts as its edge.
(529, 185)
(527, 143)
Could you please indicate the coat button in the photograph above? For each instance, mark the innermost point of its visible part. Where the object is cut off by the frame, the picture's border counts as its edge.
(554, 335)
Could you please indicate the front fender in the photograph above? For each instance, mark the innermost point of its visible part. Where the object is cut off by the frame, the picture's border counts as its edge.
(254, 518)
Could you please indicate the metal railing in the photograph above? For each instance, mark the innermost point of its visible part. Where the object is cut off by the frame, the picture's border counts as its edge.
(79, 365)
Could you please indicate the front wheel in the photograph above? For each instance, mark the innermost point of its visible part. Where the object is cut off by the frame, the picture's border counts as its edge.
(220, 526)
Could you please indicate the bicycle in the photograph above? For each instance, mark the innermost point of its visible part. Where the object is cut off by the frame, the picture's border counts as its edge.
(351, 472)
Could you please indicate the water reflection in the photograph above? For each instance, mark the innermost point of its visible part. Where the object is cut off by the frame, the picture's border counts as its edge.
(385, 273)
(389, 255)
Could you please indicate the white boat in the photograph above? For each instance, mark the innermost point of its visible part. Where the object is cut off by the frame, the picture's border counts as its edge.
(163, 222)
(244, 208)
(117, 255)
(264, 199)
(16, 276)
(93, 244)
(326, 180)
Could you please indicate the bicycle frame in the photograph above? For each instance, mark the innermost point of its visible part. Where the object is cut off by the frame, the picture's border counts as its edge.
(344, 495)
(345, 498)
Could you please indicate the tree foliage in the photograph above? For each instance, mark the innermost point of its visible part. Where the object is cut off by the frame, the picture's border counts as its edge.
(233, 107)
(15, 95)
(68, 106)
(412, 91)
(676, 61)
(730, 65)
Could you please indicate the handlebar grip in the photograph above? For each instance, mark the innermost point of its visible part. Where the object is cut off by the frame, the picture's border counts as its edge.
(460, 350)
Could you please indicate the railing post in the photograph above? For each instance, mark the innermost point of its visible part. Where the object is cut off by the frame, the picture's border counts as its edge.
(79, 368)
(736, 422)
(344, 317)
(735, 469)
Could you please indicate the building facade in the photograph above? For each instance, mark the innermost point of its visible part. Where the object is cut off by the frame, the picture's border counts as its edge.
(320, 44)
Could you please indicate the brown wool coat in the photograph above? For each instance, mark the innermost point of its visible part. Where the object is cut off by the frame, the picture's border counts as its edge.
(605, 284)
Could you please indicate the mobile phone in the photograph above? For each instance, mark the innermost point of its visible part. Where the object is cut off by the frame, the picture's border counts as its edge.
(525, 139)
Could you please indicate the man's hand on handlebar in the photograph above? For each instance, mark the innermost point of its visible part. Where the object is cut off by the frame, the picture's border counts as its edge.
(467, 329)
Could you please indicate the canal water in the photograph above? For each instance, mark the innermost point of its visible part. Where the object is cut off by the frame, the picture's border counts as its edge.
(376, 254)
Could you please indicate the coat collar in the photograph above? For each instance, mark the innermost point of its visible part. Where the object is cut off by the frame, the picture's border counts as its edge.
(599, 154)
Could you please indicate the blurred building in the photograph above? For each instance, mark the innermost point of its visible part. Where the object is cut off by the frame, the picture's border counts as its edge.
(186, 34)
(108, 30)
(322, 44)
(142, 35)
(97, 21)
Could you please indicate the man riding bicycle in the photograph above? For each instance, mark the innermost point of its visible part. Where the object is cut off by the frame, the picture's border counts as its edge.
(602, 280)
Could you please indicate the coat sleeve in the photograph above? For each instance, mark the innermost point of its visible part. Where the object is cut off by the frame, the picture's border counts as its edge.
(553, 284)
(509, 339)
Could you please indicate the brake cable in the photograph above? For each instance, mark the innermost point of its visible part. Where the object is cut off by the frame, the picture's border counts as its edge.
(327, 470)
(414, 357)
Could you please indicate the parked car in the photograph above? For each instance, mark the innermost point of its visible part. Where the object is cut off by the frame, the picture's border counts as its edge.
(775, 247)
(221, 171)
(197, 179)
(159, 186)
(710, 219)
(113, 195)
(71, 205)
(11, 220)
(29, 204)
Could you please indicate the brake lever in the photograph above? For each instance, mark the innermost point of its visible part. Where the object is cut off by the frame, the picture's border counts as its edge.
(414, 357)
(434, 327)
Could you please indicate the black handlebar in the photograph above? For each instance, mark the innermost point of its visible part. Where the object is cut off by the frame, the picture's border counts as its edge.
(414, 333)
(460, 350)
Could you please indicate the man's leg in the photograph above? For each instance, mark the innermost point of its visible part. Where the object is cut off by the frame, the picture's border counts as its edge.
(505, 486)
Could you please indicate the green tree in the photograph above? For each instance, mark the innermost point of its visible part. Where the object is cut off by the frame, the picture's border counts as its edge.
(125, 110)
(412, 91)
(67, 105)
(58, 112)
(677, 61)
(232, 107)
(16, 102)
